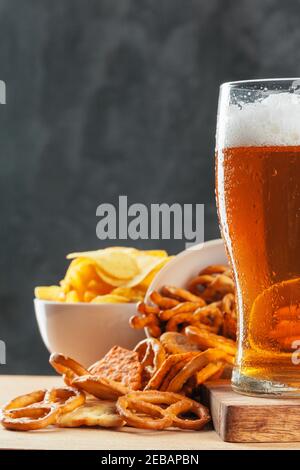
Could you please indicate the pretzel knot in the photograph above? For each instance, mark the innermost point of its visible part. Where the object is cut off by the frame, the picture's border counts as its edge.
(67, 367)
(66, 399)
(39, 409)
(160, 410)
(30, 418)
(151, 354)
(212, 287)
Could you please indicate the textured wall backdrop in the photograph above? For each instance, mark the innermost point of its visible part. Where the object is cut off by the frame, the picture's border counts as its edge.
(109, 97)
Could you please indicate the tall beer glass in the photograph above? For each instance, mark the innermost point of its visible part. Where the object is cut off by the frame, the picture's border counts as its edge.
(258, 198)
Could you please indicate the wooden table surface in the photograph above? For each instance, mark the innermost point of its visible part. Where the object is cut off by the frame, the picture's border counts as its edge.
(104, 439)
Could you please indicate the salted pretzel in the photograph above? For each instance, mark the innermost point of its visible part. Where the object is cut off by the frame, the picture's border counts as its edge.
(212, 287)
(67, 367)
(196, 364)
(154, 416)
(66, 399)
(30, 418)
(204, 339)
(181, 294)
(177, 343)
(162, 301)
(210, 315)
(151, 355)
(100, 387)
(182, 307)
(167, 366)
(39, 409)
(150, 321)
(146, 309)
(229, 316)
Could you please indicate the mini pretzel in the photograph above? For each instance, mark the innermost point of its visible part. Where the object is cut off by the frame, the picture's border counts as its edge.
(228, 303)
(151, 355)
(100, 387)
(23, 401)
(140, 322)
(177, 343)
(28, 412)
(188, 406)
(154, 330)
(156, 417)
(180, 294)
(66, 399)
(39, 409)
(67, 367)
(182, 307)
(146, 309)
(209, 315)
(150, 322)
(179, 319)
(205, 340)
(163, 302)
(214, 269)
(157, 379)
(30, 418)
(173, 372)
(212, 370)
(212, 287)
(197, 363)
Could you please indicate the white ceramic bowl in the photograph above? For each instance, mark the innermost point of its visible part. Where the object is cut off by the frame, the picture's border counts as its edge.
(187, 265)
(85, 331)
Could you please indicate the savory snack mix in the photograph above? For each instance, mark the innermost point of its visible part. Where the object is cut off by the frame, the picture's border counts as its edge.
(156, 386)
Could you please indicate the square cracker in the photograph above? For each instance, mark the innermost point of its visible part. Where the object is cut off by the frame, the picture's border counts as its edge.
(121, 365)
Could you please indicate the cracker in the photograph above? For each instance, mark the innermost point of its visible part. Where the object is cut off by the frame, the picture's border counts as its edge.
(92, 413)
(120, 365)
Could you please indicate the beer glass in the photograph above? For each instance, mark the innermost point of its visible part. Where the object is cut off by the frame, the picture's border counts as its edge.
(258, 199)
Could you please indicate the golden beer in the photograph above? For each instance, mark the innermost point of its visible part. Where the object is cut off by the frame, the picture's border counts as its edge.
(258, 198)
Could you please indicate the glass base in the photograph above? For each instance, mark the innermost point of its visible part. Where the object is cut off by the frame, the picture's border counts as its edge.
(263, 388)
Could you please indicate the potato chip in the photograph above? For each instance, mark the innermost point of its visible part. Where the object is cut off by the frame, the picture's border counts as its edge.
(114, 274)
(109, 299)
(114, 263)
(54, 293)
(145, 283)
(72, 296)
(132, 294)
(120, 365)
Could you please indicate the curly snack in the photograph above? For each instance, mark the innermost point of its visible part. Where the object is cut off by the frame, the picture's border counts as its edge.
(192, 334)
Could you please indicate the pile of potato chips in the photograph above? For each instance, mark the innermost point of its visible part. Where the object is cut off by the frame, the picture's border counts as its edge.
(111, 275)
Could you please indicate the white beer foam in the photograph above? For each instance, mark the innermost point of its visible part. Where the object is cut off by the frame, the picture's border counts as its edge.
(273, 121)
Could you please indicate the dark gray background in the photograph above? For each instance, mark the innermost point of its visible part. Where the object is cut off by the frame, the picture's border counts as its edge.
(108, 97)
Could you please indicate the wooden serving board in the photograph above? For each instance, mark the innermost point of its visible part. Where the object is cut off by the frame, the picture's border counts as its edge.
(239, 418)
